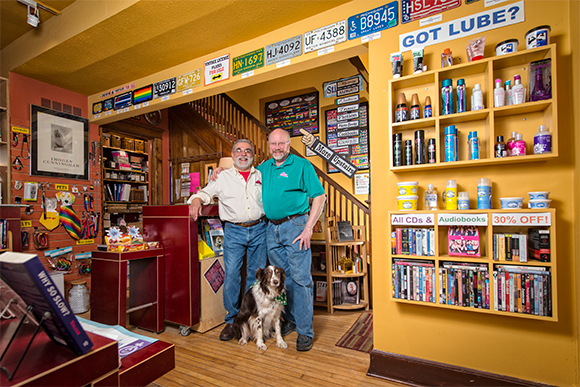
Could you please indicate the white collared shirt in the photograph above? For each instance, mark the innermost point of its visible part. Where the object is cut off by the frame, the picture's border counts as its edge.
(239, 201)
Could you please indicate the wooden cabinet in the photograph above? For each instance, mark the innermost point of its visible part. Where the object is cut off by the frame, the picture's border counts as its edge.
(337, 253)
(125, 179)
(484, 281)
(5, 167)
(489, 122)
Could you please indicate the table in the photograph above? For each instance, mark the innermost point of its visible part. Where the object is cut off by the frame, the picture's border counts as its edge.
(146, 283)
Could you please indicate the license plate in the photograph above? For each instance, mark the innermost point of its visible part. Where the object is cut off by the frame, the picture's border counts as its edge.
(377, 19)
(247, 62)
(283, 50)
(166, 87)
(189, 80)
(122, 101)
(325, 36)
(418, 9)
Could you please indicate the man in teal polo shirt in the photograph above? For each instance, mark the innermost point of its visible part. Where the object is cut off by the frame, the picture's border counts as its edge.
(288, 182)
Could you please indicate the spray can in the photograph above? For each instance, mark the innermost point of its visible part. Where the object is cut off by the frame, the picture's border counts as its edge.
(415, 108)
(473, 143)
(397, 149)
(419, 147)
(427, 109)
(450, 143)
(451, 195)
(461, 96)
(447, 97)
(484, 193)
(408, 152)
(431, 151)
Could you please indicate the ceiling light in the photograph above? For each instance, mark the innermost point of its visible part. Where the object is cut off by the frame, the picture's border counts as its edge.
(33, 16)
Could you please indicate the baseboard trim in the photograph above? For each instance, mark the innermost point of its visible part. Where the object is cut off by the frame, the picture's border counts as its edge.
(419, 372)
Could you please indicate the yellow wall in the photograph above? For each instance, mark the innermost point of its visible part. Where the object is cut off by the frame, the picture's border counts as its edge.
(533, 350)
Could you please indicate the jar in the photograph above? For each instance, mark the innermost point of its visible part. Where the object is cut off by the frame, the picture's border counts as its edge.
(78, 297)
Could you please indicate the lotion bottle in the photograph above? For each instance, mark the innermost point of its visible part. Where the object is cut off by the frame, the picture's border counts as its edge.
(477, 98)
(518, 91)
(498, 94)
(542, 141)
(451, 195)
(519, 148)
(431, 197)
(508, 93)
(510, 143)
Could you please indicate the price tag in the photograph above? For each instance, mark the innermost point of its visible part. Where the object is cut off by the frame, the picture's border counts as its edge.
(377, 19)
(325, 36)
(459, 219)
(523, 219)
(284, 50)
(413, 220)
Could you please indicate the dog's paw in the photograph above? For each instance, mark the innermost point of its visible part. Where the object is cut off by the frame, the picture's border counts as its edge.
(242, 342)
(262, 346)
(281, 344)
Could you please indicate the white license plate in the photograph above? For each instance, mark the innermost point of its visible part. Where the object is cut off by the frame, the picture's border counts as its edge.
(325, 36)
(284, 50)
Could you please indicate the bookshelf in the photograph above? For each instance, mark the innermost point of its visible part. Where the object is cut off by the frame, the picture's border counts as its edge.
(335, 252)
(488, 223)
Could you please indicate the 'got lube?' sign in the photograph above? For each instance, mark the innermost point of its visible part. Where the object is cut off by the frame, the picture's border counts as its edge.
(460, 28)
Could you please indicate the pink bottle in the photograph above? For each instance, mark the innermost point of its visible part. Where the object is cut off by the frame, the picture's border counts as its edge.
(519, 148)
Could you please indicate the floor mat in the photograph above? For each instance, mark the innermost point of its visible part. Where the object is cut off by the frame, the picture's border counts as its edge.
(360, 335)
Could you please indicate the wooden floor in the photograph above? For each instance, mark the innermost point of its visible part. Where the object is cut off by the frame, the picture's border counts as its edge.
(204, 360)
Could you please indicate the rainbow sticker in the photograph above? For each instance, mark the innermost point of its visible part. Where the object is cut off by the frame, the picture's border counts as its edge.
(143, 94)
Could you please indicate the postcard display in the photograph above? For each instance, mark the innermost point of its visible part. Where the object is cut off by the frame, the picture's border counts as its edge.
(347, 133)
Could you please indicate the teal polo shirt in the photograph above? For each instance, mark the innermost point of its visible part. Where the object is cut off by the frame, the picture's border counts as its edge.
(287, 188)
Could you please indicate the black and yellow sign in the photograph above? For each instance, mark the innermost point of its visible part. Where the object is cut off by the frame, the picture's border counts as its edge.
(61, 187)
(25, 223)
(250, 61)
(85, 242)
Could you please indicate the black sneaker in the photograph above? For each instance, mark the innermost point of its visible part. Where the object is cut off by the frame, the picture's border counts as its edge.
(303, 343)
(287, 328)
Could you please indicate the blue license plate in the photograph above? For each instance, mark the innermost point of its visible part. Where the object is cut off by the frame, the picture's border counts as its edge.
(377, 19)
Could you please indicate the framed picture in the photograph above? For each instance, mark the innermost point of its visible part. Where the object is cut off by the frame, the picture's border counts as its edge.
(307, 151)
(59, 144)
(293, 114)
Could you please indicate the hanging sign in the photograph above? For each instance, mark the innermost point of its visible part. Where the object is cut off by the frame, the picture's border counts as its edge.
(325, 36)
(462, 219)
(460, 28)
(284, 50)
(418, 9)
(523, 219)
(343, 87)
(250, 61)
(217, 69)
(377, 19)
(328, 154)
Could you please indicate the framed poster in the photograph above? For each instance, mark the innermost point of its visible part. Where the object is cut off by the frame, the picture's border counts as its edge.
(293, 114)
(59, 144)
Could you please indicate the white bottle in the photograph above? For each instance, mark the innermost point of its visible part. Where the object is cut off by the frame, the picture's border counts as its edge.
(518, 91)
(508, 93)
(477, 98)
(431, 198)
(498, 94)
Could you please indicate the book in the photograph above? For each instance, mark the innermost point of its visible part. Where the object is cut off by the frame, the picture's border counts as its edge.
(321, 291)
(217, 241)
(26, 275)
(344, 231)
(464, 241)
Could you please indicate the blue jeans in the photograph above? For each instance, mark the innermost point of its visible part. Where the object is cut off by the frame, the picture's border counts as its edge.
(237, 242)
(296, 263)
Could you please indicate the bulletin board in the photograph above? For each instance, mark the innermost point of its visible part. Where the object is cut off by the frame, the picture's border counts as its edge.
(347, 133)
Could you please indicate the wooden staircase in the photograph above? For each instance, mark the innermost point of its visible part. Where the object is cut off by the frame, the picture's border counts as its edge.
(233, 122)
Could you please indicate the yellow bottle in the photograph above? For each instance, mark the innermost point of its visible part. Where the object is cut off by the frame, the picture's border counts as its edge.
(451, 195)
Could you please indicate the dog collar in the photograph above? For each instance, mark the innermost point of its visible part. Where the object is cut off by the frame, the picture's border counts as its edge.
(281, 298)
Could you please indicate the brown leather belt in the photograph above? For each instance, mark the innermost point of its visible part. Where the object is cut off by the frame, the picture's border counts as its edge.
(278, 222)
(252, 223)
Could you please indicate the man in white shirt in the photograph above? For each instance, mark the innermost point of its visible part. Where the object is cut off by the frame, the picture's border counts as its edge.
(239, 190)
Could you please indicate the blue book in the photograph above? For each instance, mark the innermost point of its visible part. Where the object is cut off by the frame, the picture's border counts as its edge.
(26, 275)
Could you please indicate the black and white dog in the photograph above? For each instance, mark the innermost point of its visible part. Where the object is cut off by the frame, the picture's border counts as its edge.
(261, 308)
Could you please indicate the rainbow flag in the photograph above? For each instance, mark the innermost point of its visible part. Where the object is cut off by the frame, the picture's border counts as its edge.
(143, 94)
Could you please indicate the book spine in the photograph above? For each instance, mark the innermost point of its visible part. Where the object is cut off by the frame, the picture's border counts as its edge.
(399, 241)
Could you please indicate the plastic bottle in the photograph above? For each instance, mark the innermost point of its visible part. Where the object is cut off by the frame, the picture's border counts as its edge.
(473, 143)
(446, 58)
(500, 149)
(518, 91)
(447, 97)
(463, 200)
(408, 152)
(461, 96)
(484, 193)
(498, 94)
(519, 148)
(427, 109)
(510, 143)
(450, 143)
(415, 108)
(508, 93)
(477, 98)
(431, 151)
(451, 195)
(542, 141)
(401, 109)
(397, 149)
(420, 147)
(431, 197)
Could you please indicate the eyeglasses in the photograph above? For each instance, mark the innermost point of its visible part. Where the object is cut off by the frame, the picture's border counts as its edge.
(282, 143)
(247, 151)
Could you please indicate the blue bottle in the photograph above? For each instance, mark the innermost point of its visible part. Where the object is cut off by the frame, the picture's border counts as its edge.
(473, 143)
(450, 143)
(484, 193)
(447, 97)
(461, 96)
